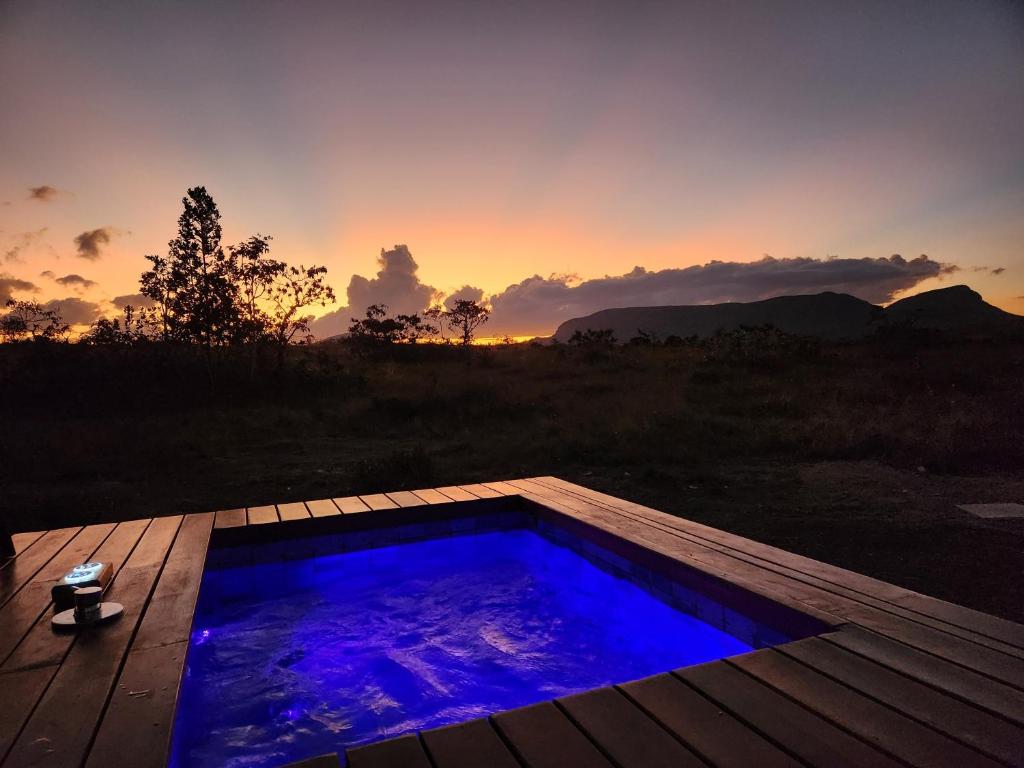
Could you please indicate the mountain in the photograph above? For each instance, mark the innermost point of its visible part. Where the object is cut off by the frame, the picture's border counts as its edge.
(826, 315)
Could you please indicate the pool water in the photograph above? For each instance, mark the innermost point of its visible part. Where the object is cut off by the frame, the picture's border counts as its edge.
(294, 659)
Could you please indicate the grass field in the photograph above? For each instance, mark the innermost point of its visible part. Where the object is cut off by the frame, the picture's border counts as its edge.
(855, 454)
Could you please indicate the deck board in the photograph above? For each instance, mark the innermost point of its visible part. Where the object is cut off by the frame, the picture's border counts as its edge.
(295, 510)
(902, 679)
(716, 736)
(543, 737)
(624, 732)
(405, 498)
(965, 618)
(351, 505)
(885, 728)
(976, 654)
(467, 745)
(403, 752)
(322, 508)
(794, 728)
(84, 680)
(986, 733)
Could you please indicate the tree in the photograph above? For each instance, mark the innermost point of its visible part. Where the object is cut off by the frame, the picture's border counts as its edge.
(464, 317)
(294, 289)
(593, 338)
(380, 330)
(31, 320)
(136, 326)
(192, 286)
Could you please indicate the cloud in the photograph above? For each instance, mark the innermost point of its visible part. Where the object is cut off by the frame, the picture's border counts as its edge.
(75, 311)
(466, 292)
(538, 305)
(998, 270)
(89, 243)
(43, 194)
(397, 285)
(9, 285)
(22, 240)
(47, 274)
(75, 280)
(134, 299)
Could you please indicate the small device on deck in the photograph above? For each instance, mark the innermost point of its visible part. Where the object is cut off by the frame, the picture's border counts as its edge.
(94, 574)
(88, 609)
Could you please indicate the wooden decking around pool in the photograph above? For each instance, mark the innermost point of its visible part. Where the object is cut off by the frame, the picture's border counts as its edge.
(898, 679)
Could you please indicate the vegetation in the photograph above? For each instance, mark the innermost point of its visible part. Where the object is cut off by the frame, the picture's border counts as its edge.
(854, 453)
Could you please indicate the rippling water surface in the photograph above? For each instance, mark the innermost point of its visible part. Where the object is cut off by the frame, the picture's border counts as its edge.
(295, 659)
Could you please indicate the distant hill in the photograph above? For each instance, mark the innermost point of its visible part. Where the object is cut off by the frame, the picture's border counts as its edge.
(826, 315)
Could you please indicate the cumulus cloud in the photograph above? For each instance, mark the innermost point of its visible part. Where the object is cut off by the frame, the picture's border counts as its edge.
(76, 281)
(397, 285)
(538, 305)
(9, 285)
(136, 300)
(465, 293)
(21, 241)
(43, 194)
(89, 244)
(75, 311)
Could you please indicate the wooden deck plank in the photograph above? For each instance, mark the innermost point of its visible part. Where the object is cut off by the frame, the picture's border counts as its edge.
(168, 614)
(406, 498)
(140, 714)
(20, 613)
(230, 518)
(467, 745)
(402, 752)
(262, 515)
(624, 732)
(974, 621)
(376, 501)
(455, 493)
(543, 737)
(800, 732)
(155, 660)
(24, 540)
(718, 737)
(481, 491)
(350, 505)
(295, 510)
(19, 571)
(322, 508)
(84, 681)
(431, 496)
(503, 488)
(21, 690)
(41, 645)
(988, 734)
(953, 679)
(777, 585)
(877, 724)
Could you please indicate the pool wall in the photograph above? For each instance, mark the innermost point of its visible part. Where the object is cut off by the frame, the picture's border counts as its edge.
(750, 617)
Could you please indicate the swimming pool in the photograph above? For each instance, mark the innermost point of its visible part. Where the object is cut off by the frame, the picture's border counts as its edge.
(294, 658)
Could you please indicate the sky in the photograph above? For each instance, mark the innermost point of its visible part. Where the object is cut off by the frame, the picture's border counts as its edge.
(551, 159)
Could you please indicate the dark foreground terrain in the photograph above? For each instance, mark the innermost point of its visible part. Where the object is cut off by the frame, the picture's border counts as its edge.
(852, 453)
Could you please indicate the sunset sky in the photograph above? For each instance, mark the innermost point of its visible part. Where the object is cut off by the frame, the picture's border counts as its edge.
(502, 141)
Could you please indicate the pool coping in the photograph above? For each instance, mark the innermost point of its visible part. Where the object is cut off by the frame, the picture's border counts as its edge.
(123, 678)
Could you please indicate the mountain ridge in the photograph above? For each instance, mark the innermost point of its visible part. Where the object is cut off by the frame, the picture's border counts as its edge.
(827, 315)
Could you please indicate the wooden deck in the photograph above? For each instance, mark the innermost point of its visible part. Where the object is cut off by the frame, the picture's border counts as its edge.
(898, 679)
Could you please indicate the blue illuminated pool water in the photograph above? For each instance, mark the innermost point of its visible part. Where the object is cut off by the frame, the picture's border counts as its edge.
(300, 658)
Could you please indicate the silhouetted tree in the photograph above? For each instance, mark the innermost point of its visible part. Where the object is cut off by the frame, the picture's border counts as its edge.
(593, 338)
(464, 317)
(30, 320)
(134, 327)
(192, 286)
(379, 329)
(293, 290)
